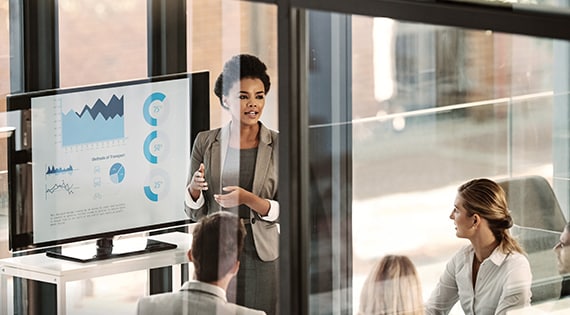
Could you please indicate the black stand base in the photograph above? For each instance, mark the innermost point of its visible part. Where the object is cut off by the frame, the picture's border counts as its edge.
(105, 251)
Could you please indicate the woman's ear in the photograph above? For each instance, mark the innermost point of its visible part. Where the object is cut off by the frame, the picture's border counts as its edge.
(476, 219)
(189, 254)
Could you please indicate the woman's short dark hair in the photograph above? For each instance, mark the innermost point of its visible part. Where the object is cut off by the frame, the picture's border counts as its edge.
(239, 67)
(217, 241)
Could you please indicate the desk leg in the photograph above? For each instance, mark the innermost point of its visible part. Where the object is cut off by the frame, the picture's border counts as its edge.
(61, 295)
(176, 276)
(3, 293)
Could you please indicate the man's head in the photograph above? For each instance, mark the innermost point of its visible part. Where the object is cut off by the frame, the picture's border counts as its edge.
(217, 241)
(562, 250)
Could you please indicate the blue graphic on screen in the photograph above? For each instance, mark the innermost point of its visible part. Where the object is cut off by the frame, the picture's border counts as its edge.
(150, 194)
(52, 170)
(156, 96)
(146, 148)
(157, 183)
(117, 173)
(100, 122)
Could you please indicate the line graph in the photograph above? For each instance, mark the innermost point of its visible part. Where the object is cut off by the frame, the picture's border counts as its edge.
(99, 122)
(60, 187)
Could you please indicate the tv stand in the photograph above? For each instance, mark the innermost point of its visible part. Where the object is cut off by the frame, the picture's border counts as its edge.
(104, 247)
(43, 268)
(106, 250)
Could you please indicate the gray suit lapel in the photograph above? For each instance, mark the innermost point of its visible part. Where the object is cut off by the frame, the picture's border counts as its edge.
(263, 160)
(219, 150)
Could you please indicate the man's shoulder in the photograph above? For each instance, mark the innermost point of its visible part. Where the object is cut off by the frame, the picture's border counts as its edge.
(165, 303)
(182, 302)
(242, 310)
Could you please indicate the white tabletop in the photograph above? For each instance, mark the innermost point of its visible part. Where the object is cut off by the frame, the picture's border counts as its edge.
(54, 270)
(555, 307)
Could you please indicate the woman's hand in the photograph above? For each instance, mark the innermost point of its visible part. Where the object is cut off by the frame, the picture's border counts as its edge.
(198, 182)
(237, 196)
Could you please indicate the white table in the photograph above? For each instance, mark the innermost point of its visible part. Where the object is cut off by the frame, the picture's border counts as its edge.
(554, 307)
(40, 267)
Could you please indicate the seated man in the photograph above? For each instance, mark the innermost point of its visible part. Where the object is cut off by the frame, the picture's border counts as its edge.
(217, 241)
(562, 250)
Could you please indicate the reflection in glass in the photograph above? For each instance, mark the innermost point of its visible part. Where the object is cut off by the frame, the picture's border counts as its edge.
(247, 28)
(4, 90)
(433, 107)
(551, 6)
(102, 41)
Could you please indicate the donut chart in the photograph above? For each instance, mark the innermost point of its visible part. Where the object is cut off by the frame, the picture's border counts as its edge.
(157, 185)
(154, 107)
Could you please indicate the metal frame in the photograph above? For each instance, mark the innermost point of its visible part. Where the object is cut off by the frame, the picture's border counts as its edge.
(293, 109)
(293, 156)
(500, 17)
(166, 36)
(34, 46)
(34, 42)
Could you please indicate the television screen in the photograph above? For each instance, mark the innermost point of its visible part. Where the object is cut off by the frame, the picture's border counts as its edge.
(108, 159)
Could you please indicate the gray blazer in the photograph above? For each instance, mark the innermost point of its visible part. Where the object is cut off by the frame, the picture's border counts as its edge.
(194, 298)
(210, 148)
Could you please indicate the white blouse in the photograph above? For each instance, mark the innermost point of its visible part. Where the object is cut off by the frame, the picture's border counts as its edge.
(503, 283)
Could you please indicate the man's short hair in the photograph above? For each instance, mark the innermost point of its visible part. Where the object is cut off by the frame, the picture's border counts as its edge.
(217, 241)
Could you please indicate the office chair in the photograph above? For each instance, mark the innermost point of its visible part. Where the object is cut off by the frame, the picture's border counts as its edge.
(538, 221)
(532, 203)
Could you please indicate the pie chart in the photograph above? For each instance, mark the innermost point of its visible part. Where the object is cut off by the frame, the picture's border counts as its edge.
(117, 173)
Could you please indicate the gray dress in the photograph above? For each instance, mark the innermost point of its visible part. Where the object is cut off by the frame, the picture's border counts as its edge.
(256, 283)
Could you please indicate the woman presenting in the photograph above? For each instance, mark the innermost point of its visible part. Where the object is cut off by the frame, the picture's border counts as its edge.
(491, 275)
(234, 168)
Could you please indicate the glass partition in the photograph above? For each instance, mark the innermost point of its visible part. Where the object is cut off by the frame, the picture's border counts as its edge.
(106, 41)
(102, 41)
(523, 5)
(431, 107)
(240, 27)
(4, 89)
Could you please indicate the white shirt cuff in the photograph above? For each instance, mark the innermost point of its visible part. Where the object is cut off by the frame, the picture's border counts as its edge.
(273, 213)
(190, 202)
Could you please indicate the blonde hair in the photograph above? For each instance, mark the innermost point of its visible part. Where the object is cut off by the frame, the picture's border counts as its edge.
(488, 199)
(392, 288)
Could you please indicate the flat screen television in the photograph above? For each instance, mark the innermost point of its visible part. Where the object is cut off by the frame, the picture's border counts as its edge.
(104, 160)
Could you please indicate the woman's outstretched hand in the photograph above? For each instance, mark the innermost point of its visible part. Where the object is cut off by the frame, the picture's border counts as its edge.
(198, 182)
(236, 196)
(233, 197)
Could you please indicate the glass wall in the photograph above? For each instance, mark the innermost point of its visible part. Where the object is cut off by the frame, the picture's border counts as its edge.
(4, 90)
(102, 41)
(400, 114)
(431, 107)
(107, 41)
(232, 27)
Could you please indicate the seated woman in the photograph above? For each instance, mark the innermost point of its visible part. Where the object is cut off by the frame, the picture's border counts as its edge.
(392, 288)
(491, 275)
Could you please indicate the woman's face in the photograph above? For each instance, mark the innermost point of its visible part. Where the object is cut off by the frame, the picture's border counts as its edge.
(246, 100)
(562, 250)
(463, 222)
